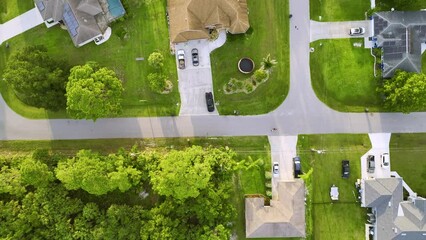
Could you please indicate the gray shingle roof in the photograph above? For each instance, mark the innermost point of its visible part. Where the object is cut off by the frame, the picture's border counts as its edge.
(284, 218)
(400, 35)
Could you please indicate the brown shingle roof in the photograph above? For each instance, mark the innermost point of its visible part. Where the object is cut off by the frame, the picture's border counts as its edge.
(191, 19)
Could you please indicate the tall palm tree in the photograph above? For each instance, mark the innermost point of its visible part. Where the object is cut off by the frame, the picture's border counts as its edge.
(268, 62)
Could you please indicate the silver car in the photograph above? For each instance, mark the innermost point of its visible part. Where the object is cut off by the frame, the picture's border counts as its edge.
(356, 31)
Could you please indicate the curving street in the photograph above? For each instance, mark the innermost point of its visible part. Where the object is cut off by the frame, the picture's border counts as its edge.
(300, 113)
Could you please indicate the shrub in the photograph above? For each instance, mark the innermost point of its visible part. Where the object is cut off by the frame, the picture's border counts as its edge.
(259, 75)
(156, 60)
(249, 87)
(157, 82)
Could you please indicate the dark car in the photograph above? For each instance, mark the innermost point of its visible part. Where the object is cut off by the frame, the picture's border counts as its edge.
(345, 169)
(370, 164)
(194, 53)
(209, 102)
(297, 167)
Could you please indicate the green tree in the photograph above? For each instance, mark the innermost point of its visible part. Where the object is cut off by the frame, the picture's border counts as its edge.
(268, 62)
(11, 181)
(157, 82)
(93, 92)
(35, 173)
(156, 60)
(405, 92)
(96, 174)
(36, 78)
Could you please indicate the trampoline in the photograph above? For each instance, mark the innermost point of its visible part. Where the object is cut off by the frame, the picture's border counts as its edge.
(246, 65)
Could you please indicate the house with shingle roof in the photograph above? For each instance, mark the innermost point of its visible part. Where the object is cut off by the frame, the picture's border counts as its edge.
(394, 218)
(194, 19)
(400, 35)
(85, 20)
(284, 217)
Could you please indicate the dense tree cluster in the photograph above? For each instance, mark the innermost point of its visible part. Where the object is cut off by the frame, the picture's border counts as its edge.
(56, 197)
(36, 78)
(405, 92)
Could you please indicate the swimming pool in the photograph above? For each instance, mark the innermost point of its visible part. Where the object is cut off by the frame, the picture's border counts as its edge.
(116, 8)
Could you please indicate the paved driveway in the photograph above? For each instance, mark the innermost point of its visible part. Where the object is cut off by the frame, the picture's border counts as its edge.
(20, 24)
(328, 30)
(379, 145)
(283, 149)
(195, 81)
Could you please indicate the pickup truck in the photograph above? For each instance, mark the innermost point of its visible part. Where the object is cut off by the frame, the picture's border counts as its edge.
(181, 58)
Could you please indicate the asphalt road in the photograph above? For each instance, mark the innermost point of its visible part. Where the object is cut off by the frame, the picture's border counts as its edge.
(301, 112)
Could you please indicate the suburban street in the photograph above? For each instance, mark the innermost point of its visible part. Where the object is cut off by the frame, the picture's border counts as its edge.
(300, 113)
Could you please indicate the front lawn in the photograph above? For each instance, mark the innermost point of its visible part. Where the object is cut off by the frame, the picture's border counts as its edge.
(342, 219)
(407, 152)
(342, 75)
(12, 8)
(338, 10)
(269, 34)
(408, 5)
(143, 31)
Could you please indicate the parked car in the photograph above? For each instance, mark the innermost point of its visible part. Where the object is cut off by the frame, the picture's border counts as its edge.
(385, 160)
(345, 169)
(194, 54)
(181, 58)
(370, 164)
(297, 166)
(276, 170)
(356, 31)
(209, 101)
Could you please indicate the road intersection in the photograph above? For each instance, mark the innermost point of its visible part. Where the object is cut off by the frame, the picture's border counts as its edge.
(300, 113)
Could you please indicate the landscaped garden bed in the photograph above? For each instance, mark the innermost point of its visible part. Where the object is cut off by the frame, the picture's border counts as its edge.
(258, 42)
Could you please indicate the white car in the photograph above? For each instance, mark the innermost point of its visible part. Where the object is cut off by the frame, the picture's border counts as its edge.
(276, 170)
(385, 160)
(356, 31)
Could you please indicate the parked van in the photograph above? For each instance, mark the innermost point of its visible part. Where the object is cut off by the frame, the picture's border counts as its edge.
(385, 160)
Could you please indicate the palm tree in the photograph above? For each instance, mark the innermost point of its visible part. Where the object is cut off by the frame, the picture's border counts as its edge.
(268, 62)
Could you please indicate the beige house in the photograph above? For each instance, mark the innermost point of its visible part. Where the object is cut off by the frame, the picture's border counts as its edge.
(193, 19)
(285, 217)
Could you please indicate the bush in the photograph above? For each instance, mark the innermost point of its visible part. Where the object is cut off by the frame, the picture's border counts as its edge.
(249, 87)
(156, 60)
(259, 75)
(157, 82)
(268, 175)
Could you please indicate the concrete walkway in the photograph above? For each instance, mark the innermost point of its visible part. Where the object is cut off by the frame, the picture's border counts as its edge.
(20, 24)
(332, 30)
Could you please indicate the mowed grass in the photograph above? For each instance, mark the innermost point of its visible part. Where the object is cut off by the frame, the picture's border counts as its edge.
(12, 8)
(338, 10)
(413, 5)
(269, 34)
(143, 31)
(408, 158)
(342, 75)
(343, 219)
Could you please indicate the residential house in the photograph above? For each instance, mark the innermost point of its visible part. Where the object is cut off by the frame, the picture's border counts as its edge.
(285, 217)
(194, 19)
(393, 218)
(401, 36)
(85, 20)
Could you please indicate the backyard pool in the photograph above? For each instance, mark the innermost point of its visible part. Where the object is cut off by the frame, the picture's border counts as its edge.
(116, 8)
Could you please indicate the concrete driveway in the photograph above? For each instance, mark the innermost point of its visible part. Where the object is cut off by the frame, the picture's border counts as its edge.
(283, 149)
(195, 81)
(20, 24)
(329, 30)
(380, 145)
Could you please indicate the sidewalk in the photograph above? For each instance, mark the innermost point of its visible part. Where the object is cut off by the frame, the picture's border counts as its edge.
(20, 24)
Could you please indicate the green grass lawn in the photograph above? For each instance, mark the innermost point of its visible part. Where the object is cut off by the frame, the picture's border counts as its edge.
(342, 75)
(343, 219)
(400, 5)
(338, 10)
(269, 33)
(143, 31)
(12, 8)
(408, 158)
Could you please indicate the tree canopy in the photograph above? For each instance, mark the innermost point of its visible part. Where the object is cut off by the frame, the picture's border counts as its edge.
(405, 92)
(36, 78)
(93, 92)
